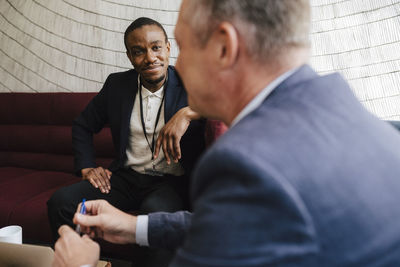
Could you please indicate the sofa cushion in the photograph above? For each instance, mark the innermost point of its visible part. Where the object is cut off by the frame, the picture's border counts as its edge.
(23, 199)
(36, 158)
(35, 131)
(42, 108)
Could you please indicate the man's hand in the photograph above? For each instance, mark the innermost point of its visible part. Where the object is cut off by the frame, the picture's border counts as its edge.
(172, 132)
(107, 222)
(98, 177)
(73, 250)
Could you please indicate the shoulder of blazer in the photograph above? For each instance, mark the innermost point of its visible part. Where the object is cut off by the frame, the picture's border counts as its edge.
(125, 78)
(120, 85)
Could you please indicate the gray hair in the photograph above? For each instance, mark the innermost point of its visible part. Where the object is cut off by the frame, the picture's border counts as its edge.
(267, 25)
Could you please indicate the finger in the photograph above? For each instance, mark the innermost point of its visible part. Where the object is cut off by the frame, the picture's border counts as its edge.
(92, 234)
(87, 220)
(93, 182)
(105, 179)
(109, 173)
(85, 229)
(92, 177)
(100, 179)
(158, 144)
(96, 183)
(171, 148)
(93, 206)
(65, 231)
(177, 148)
(86, 238)
(165, 149)
(91, 209)
(104, 185)
(89, 231)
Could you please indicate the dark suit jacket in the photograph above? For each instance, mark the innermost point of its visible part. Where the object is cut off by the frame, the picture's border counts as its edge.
(113, 106)
(309, 178)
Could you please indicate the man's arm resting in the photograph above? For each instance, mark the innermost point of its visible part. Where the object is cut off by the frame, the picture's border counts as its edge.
(170, 135)
(90, 121)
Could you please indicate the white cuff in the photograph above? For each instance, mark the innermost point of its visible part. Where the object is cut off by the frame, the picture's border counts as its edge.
(142, 224)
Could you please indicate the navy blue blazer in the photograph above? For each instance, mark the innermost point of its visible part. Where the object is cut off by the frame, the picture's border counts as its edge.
(309, 178)
(113, 106)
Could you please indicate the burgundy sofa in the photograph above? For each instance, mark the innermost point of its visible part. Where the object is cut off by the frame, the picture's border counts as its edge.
(36, 158)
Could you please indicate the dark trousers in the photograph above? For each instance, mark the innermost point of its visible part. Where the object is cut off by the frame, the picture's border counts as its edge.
(130, 191)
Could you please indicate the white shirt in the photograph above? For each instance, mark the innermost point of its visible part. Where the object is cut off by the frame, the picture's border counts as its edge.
(142, 222)
(139, 156)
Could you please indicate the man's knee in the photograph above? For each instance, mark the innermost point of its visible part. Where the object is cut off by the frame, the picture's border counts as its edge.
(162, 200)
(59, 199)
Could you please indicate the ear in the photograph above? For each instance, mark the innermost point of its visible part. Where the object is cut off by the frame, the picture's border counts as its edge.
(168, 46)
(225, 40)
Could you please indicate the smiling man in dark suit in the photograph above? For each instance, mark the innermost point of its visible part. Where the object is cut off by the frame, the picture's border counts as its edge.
(305, 176)
(138, 105)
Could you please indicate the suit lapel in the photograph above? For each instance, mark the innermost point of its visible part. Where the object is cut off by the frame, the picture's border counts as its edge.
(128, 99)
(172, 89)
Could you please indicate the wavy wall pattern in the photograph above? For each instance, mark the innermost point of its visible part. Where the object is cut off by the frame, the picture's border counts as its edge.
(72, 45)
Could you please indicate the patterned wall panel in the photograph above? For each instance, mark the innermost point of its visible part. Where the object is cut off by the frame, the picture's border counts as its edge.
(72, 45)
(361, 39)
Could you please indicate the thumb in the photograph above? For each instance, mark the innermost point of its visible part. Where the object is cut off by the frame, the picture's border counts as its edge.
(87, 220)
(65, 230)
(86, 238)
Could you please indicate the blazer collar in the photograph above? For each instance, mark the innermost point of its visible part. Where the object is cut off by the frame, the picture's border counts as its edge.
(172, 93)
(128, 98)
(304, 73)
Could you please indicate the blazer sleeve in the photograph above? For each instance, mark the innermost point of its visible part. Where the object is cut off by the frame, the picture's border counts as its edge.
(168, 230)
(90, 121)
(244, 216)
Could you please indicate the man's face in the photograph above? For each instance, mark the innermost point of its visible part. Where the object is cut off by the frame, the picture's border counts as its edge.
(193, 66)
(149, 54)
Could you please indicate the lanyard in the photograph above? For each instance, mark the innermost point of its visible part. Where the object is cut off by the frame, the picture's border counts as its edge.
(151, 146)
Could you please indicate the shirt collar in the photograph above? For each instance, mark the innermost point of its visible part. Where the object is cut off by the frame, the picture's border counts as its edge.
(259, 98)
(146, 93)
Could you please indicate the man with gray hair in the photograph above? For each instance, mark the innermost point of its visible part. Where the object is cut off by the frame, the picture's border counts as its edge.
(305, 176)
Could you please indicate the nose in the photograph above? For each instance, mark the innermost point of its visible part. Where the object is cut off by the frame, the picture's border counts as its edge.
(150, 56)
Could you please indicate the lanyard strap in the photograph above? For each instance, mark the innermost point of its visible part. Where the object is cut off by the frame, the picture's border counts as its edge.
(142, 120)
